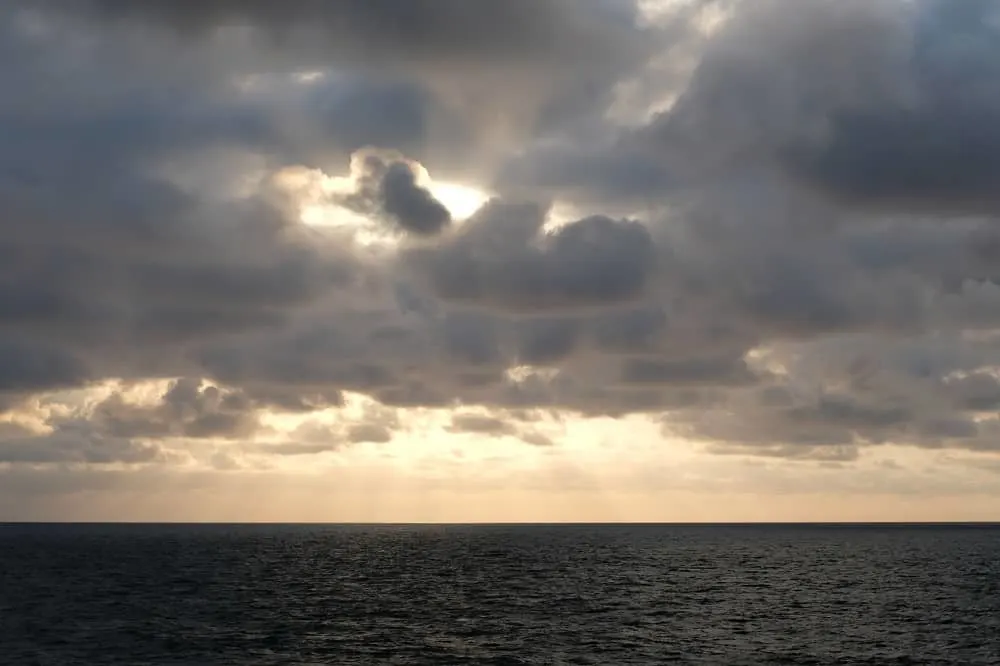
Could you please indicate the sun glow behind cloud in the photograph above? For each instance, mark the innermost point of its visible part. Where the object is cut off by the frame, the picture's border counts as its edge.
(321, 199)
(784, 315)
(461, 200)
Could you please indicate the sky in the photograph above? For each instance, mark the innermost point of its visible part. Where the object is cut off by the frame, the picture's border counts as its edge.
(476, 261)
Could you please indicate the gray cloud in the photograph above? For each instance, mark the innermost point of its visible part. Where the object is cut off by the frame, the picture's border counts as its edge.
(413, 206)
(886, 107)
(501, 70)
(936, 147)
(187, 409)
(433, 30)
(502, 258)
(296, 448)
(481, 425)
(782, 262)
(26, 367)
(826, 454)
(536, 439)
(547, 341)
(856, 391)
(75, 442)
(695, 372)
(890, 105)
(283, 398)
(977, 391)
(370, 432)
(501, 424)
(98, 238)
(387, 186)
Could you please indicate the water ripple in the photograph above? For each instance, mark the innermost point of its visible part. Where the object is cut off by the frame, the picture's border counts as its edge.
(621, 595)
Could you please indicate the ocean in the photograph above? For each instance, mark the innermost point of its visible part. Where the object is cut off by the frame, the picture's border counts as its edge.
(202, 595)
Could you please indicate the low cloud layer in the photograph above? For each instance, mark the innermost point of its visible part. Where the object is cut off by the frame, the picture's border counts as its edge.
(794, 252)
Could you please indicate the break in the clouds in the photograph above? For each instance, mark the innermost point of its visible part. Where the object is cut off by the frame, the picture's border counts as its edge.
(770, 226)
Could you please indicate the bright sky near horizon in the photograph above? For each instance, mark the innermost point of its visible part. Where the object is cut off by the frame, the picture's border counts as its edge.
(467, 261)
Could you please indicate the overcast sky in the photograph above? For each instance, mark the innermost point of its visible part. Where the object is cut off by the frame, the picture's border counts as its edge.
(526, 260)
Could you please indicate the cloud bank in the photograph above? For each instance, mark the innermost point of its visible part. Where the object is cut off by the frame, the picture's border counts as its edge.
(787, 245)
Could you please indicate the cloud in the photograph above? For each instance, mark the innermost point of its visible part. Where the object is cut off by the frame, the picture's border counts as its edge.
(975, 391)
(795, 256)
(823, 454)
(432, 30)
(370, 432)
(537, 439)
(480, 424)
(886, 105)
(29, 366)
(856, 391)
(502, 258)
(497, 70)
(75, 442)
(710, 372)
(386, 185)
(497, 425)
(187, 409)
(934, 147)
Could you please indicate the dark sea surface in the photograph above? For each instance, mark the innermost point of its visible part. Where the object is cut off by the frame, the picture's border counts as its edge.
(502, 595)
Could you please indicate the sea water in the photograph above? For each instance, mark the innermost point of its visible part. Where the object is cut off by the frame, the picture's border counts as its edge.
(199, 595)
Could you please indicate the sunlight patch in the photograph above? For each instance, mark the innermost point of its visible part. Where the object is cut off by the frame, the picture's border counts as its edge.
(462, 201)
(325, 202)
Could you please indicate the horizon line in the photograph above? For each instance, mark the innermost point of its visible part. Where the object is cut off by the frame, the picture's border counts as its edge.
(790, 523)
